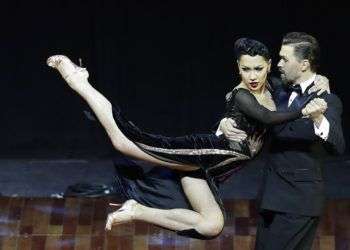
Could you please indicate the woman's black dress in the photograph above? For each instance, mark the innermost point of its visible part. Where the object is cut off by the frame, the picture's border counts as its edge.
(216, 156)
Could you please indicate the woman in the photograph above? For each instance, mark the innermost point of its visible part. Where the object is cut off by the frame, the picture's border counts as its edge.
(200, 158)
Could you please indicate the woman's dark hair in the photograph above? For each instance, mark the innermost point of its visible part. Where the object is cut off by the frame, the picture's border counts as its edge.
(247, 46)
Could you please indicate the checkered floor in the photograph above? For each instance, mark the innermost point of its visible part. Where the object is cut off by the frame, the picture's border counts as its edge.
(72, 223)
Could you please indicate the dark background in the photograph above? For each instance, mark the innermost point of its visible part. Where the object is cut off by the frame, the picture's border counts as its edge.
(168, 64)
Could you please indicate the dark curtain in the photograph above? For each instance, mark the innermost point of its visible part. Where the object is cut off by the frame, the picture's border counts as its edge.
(168, 64)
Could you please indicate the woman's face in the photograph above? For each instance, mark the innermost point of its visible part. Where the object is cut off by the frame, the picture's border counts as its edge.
(253, 71)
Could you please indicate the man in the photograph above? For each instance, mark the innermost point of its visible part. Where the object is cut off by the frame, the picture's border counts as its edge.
(292, 194)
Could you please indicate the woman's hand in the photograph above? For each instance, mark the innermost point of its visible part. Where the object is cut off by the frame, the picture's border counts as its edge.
(314, 108)
(321, 85)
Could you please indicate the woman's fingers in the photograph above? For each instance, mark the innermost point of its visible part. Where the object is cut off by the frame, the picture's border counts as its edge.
(315, 107)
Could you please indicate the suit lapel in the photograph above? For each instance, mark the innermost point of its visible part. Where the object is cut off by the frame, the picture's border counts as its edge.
(300, 100)
(282, 98)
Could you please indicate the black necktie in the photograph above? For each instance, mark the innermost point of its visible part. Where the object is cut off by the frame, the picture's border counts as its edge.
(295, 88)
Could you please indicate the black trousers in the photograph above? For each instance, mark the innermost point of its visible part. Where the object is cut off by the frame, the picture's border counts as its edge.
(285, 231)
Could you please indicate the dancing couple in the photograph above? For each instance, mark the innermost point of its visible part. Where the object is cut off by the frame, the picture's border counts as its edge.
(295, 112)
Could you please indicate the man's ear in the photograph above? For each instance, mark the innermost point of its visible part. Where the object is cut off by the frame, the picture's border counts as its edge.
(305, 65)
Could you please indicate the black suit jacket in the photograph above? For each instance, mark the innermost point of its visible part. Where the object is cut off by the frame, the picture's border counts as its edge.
(293, 179)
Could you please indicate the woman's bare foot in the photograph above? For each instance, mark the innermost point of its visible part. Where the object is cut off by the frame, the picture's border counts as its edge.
(123, 215)
(74, 75)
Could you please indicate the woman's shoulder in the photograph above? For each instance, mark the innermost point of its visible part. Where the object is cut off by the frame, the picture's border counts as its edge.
(240, 92)
(232, 94)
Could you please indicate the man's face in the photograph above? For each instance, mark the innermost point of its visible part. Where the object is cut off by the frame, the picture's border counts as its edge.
(289, 65)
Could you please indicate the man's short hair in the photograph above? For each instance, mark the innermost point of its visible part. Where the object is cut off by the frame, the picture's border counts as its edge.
(305, 47)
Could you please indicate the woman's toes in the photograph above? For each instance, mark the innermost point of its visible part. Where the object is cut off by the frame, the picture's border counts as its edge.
(53, 61)
(75, 76)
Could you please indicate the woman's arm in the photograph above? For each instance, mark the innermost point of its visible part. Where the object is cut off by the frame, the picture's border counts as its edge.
(247, 103)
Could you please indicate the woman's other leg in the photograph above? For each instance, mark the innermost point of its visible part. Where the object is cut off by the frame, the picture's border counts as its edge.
(205, 220)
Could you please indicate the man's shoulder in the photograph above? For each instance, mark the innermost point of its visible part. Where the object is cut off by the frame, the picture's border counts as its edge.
(275, 82)
(331, 98)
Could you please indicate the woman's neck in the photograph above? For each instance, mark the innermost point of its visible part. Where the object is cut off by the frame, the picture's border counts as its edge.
(263, 96)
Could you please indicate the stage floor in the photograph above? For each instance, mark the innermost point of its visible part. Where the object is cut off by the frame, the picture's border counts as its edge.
(78, 223)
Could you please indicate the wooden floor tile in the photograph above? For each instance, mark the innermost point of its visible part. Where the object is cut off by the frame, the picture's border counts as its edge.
(15, 208)
(242, 226)
(8, 243)
(97, 242)
(182, 243)
(112, 242)
(316, 244)
(140, 242)
(53, 242)
(70, 216)
(27, 217)
(326, 226)
(57, 212)
(24, 242)
(86, 212)
(241, 208)
(55, 229)
(226, 241)
(212, 244)
(197, 244)
(243, 242)
(168, 241)
(38, 242)
(141, 228)
(327, 243)
(41, 216)
(67, 242)
(82, 242)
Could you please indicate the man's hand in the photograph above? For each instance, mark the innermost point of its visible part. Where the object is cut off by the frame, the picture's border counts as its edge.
(228, 128)
(255, 143)
(321, 85)
(315, 108)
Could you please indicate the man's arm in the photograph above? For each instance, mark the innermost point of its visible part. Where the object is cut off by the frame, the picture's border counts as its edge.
(304, 129)
(320, 123)
(335, 138)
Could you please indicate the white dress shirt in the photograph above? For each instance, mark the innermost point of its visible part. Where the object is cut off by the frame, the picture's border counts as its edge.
(323, 130)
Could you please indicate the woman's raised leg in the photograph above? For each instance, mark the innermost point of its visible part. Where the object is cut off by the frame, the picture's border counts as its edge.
(77, 79)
